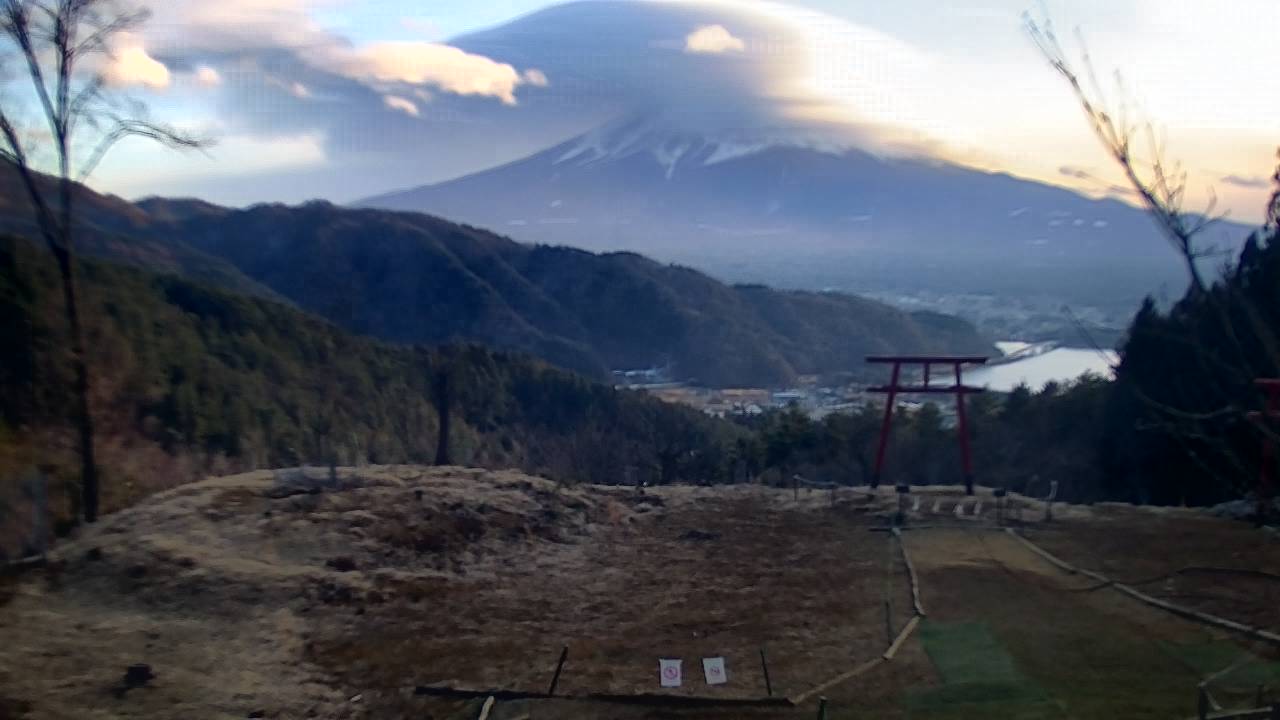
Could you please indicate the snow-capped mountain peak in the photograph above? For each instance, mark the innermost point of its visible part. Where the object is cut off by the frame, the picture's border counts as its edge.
(671, 146)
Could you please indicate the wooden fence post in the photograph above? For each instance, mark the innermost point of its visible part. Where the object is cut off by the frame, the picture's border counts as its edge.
(888, 621)
(822, 708)
(764, 665)
(555, 679)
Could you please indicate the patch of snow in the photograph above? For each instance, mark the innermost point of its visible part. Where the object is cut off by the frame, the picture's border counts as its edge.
(1009, 347)
(669, 154)
(669, 143)
(581, 149)
(732, 150)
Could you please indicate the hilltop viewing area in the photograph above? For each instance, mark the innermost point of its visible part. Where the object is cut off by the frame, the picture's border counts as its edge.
(639, 360)
(290, 594)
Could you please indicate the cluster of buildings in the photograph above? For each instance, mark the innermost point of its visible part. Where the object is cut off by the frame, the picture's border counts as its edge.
(817, 401)
(809, 394)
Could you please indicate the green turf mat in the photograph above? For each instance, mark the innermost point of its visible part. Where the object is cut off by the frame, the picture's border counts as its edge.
(980, 679)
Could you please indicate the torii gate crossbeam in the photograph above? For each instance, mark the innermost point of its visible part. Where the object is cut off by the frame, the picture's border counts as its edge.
(894, 388)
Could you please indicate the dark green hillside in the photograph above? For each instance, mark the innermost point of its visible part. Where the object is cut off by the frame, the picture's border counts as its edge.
(110, 227)
(191, 379)
(417, 279)
(414, 278)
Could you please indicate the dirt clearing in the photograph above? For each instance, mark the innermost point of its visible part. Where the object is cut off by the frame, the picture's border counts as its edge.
(296, 595)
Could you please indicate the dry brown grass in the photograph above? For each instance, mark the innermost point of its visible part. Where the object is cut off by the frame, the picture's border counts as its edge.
(249, 594)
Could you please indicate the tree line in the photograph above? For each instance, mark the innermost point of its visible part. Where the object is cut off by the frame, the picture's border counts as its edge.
(198, 380)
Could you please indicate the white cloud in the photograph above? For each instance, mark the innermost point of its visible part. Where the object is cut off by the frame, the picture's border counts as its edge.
(400, 104)
(713, 40)
(228, 25)
(208, 77)
(130, 65)
(139, 167)
(419, 63)
(293, 87)
(1255, 182)
(536, 78)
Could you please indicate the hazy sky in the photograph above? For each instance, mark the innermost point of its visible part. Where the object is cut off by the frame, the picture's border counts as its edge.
(299, 93)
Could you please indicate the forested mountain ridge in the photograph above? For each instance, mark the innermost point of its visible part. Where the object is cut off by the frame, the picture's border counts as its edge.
(190, 379)
(112, 228)
(413, 278)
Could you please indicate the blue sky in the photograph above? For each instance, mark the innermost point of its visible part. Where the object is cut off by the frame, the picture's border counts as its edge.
(348, 98)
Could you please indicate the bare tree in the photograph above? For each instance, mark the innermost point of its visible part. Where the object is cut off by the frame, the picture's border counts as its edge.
(442, 391)
(55, 42)
(1161, 186)
(1244, 325)
(1273, 204)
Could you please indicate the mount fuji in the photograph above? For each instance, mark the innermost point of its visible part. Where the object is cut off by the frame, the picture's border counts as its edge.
(768, 203)
(714, 162)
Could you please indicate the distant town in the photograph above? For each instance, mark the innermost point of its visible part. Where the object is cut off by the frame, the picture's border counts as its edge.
(814, 395)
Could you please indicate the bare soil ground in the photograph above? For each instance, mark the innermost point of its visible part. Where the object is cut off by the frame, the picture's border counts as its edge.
(287, 595)
(1230, 569)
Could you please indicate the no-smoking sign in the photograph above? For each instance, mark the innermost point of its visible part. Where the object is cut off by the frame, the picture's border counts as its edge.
(670, 673)
(713, 668)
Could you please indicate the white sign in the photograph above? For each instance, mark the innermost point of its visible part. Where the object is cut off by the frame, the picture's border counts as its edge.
(713, 668)
(669, 673)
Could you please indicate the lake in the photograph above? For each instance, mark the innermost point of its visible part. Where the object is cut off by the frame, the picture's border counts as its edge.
(1058, 365)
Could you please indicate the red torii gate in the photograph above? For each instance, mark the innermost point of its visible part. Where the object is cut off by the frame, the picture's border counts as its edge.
(1272, 388)
(959, 390)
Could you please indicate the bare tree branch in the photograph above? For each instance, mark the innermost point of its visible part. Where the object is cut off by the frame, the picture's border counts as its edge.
(1273, 206)
(1163, 193)
(15, 21)
(61, 33)
(125, 128)
(17, 156)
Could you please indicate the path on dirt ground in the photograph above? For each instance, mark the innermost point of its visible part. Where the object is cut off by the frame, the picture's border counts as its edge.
(1013, 637)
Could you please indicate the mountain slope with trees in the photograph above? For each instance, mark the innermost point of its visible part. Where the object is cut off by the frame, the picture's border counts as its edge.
(193, 380)
(414, 278)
